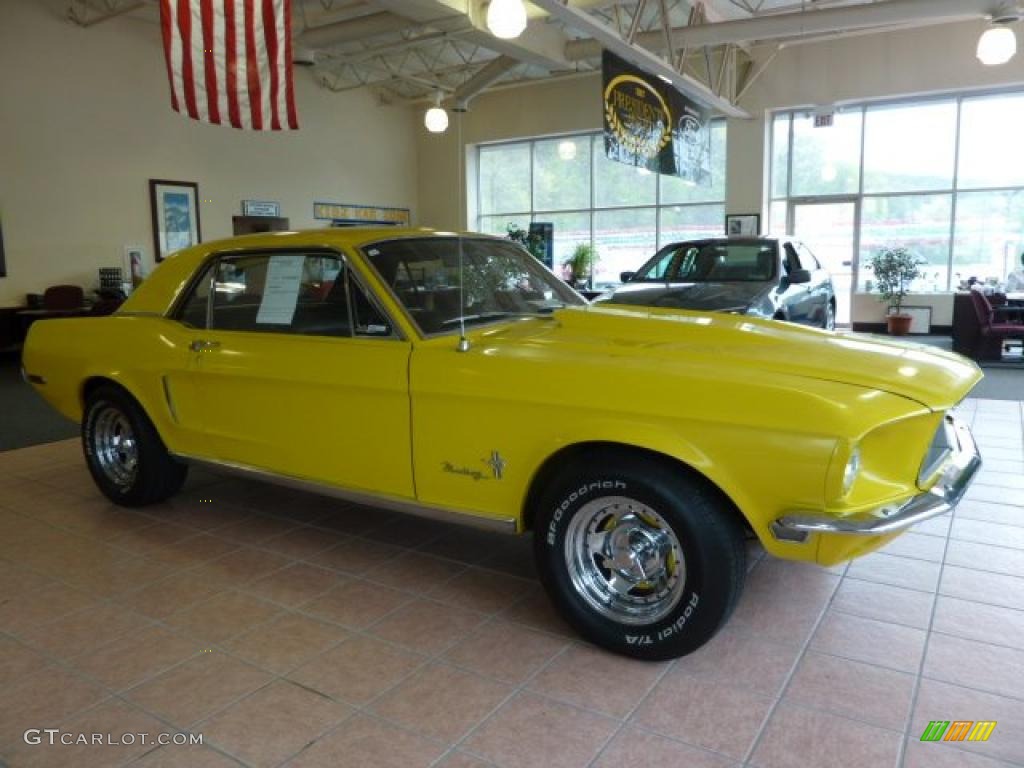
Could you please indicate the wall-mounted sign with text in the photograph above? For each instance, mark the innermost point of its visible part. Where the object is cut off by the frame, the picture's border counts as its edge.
(260, 208)
(342, 215)
(649, 124)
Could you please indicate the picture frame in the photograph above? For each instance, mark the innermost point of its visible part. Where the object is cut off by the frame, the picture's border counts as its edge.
(269, 208)
(921, 320)
(175, 209)
(743, 224)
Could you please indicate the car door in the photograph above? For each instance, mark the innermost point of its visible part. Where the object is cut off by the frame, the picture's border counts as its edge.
(300, 373)
(795, 297)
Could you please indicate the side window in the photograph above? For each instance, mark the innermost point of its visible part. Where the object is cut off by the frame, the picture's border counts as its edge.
(193, 311)
(807, 259)
(298, 293)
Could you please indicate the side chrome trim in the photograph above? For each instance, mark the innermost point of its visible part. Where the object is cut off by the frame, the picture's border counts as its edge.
(392, 503)
(169, 399)
(953, 482)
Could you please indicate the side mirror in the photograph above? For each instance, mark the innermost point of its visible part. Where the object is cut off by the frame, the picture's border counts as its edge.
(799, 276)
(626, 276)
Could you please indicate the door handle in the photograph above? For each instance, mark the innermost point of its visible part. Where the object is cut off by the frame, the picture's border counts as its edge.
(201, 345)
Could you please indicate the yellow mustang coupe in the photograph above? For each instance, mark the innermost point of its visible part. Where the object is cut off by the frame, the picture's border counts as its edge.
(443, 374)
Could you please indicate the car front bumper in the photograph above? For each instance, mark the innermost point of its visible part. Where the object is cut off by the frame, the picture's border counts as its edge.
(955, 477)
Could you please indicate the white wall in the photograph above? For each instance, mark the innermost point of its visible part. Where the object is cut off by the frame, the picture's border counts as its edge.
(86, 121)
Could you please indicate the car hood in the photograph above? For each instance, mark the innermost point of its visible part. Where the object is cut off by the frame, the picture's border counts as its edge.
(749, 347)
(700, 296)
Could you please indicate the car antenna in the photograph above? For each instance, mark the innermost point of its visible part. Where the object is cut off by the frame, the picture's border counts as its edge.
(463, 345)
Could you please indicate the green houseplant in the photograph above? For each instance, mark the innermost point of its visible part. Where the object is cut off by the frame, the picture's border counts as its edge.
(895, 269)
(581, 264)
(532, 243)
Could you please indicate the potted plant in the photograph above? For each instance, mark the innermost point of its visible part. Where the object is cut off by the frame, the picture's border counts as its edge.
(533, 243)
(580, 265)
(895, 269)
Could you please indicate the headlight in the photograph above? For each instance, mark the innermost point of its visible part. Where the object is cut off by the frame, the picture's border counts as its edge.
(851, 471)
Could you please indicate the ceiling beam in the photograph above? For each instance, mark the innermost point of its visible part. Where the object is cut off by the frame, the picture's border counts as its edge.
(609, 38)
(891, 13)
(491, 73)
(351, 30)
(542, 45)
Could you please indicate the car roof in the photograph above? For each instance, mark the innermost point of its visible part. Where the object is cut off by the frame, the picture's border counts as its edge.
(734, 240)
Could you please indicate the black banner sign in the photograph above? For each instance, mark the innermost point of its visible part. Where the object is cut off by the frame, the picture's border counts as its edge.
(649, 124)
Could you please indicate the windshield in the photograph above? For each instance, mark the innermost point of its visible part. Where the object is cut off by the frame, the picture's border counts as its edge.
(711, 262)
(499, 280)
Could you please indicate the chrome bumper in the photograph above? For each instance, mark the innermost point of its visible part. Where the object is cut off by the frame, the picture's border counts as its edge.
(955, 477)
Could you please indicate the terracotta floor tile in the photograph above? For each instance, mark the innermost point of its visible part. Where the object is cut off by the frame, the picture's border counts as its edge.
(49, 603)
(944, 755)
(190, 756)
(966, 554)
(782, 601)
(801, 738)
(536, 611)
(355, 604)
(120, 721)
(17, 661)
(42, 700)
(136, 656)
(916, 545)
(272, 724)
(633, 747)
(255, 529)
(169, 595)
(596, 680)
(872, 694)
(294, 584)
(361, 742)
(243, 565)
(978, 621)
(354, 556)
(286, 642)
(78, 633)
(441, 702)
(224, 616)
(407, 532)
(300, 543)
(982, 666)
(358, 670)
(197, 550)
(983, 587)
(941, 701)
(884, 603)
(198, 688)
(508, 652)
(415, 572)
(482, 590)
(704, 713)
(466, 545)
(875, 642)
(427, 627)
(994, 534)
(462, 760)
(896, 571)
(534, 732)
(742, 661)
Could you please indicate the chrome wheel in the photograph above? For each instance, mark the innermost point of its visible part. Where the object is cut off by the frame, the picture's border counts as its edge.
(625, 560)
(115, 446)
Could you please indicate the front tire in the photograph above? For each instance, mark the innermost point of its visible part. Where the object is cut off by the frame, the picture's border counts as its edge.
(126, 457)
(639, 557)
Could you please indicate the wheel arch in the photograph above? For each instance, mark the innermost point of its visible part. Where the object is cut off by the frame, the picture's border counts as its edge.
(593, 451)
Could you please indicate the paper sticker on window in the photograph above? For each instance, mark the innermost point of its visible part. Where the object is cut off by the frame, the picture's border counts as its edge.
(281, 292)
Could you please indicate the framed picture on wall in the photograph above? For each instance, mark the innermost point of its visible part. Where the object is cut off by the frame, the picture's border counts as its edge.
(175, 207)
(743, 225)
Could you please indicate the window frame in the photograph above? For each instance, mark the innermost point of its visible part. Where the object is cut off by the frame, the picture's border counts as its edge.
(207, 270)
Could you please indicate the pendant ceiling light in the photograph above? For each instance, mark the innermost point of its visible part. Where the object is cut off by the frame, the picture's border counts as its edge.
(436, 119)
(567, 150)
(506, 18)
(998, 44)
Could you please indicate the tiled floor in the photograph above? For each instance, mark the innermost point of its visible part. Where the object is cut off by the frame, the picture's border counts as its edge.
(293, 630)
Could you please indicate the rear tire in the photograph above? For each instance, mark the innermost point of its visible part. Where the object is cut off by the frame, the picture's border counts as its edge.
(126, 457)
(638, 556)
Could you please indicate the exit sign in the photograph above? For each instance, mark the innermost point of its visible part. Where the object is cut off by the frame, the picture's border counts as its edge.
(824, 120)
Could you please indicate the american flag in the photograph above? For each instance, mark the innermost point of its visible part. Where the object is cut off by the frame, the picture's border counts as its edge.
(230, 61)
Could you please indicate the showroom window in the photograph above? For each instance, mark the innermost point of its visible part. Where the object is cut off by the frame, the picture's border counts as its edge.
(939, 177)
(625, 212)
